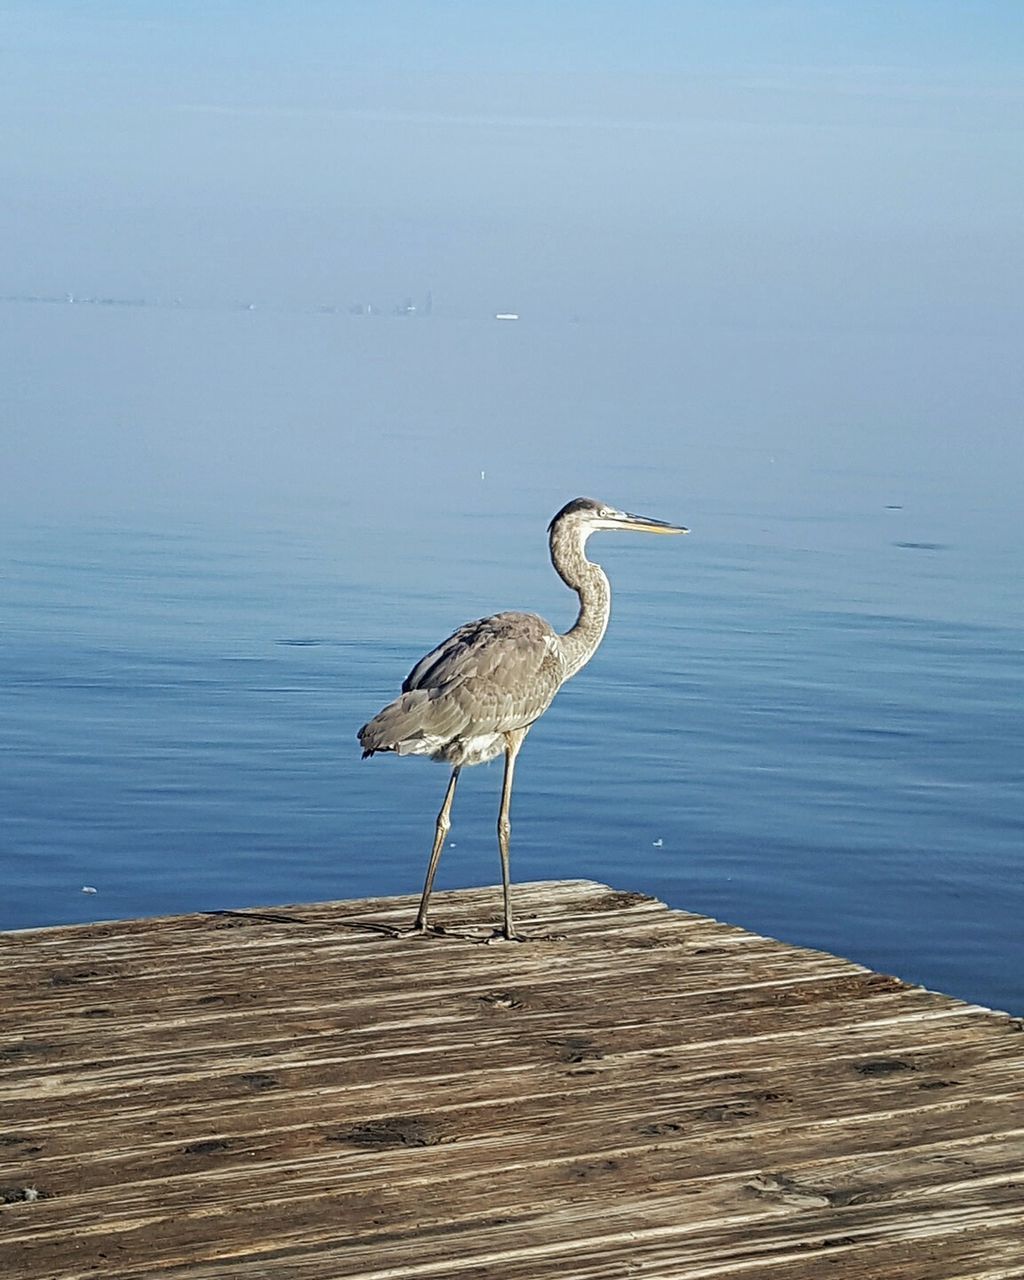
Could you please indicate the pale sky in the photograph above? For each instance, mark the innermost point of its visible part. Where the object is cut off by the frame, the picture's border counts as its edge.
(819, 163)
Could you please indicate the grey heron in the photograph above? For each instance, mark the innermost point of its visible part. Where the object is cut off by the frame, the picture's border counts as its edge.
(479, 692)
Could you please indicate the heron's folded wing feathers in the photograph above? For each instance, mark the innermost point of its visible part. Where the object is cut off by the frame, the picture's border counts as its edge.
(499, 673)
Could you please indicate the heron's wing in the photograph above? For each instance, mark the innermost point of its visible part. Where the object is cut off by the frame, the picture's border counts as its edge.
(494, 674)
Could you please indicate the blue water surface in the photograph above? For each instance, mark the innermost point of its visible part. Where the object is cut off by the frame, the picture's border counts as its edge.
(227, 538)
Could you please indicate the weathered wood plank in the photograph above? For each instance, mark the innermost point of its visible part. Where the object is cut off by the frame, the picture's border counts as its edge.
(637, 1091)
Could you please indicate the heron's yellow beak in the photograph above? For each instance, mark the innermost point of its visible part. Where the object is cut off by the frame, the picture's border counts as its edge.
(645, 524)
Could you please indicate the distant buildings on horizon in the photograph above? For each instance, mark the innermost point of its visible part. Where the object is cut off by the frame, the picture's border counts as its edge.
(404, 309)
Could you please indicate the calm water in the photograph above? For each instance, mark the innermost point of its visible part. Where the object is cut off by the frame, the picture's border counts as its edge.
(226, 539)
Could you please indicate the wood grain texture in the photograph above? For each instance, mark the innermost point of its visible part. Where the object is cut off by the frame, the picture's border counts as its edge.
(635, 1092)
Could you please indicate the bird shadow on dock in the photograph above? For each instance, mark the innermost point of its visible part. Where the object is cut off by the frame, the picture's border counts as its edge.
(442, 932)
(379, 927)
(433, 932)
(256, 917)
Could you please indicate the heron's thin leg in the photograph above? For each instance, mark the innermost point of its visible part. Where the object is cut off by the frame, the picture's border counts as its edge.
(513, 741)
(440, 831)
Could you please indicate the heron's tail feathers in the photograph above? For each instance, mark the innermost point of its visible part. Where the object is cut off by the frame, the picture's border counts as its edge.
(406, 726)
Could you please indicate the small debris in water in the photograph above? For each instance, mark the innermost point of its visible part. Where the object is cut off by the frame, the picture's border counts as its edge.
(88, 888)
(658, 844)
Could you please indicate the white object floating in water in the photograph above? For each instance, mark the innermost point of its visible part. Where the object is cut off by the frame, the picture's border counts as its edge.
(507, 315)
(483, 475)
(659, 843)
(87, 888)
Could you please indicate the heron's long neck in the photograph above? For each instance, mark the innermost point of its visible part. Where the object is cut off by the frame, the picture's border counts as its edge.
(591, 584)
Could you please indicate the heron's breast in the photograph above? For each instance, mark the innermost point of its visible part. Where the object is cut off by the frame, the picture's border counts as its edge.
(470, 750)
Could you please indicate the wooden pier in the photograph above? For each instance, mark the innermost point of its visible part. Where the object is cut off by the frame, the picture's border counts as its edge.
(292, 1094)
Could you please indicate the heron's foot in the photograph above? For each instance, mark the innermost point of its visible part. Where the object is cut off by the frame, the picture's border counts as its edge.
(501, 935)
(507, 935)
(420, 929)
(416, 930)
(469, 934)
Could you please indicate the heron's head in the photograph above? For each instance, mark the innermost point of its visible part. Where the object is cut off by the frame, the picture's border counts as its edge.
(585, 516)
